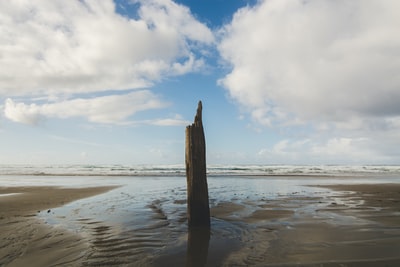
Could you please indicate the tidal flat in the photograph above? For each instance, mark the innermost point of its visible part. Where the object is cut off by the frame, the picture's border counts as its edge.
(255, 221)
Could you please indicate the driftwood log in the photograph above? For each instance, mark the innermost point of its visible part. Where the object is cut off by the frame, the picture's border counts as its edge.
(198, 210)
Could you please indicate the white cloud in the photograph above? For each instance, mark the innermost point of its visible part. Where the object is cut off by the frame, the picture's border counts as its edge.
(343, 150)
(295, 60)
(57, 50)
(327, 69)
(172, 17)
(356, 148)
(85, 46)
(20, 112)
(177, 120)
(113, 109)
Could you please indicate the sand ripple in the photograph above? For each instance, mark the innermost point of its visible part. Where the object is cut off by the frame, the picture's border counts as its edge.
(110, 247)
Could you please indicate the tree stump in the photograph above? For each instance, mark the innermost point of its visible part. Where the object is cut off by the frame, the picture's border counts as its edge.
(198, 210)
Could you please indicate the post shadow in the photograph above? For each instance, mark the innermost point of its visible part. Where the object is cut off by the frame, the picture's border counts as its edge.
(197, 246)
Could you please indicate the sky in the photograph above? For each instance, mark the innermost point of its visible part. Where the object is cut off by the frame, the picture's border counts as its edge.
(281, 81)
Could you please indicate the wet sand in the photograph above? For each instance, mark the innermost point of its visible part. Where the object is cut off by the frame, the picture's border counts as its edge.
(356, 225)
(27, 241)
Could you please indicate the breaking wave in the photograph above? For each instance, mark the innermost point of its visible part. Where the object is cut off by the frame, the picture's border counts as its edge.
(213, 170)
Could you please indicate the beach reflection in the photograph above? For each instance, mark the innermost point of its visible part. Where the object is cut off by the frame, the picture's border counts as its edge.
(143, 222)
(197, 247)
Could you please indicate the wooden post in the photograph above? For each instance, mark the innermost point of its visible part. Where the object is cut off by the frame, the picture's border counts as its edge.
(198, 210)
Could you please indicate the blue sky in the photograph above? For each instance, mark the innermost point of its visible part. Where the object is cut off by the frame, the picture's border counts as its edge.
(282, 81)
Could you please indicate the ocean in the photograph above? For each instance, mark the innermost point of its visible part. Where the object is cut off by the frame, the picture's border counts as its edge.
(212, 170)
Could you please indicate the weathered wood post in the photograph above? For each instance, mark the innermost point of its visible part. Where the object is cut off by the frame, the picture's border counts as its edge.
(198, 210)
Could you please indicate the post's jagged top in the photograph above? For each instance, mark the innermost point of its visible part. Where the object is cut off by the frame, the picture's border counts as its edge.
(198, 113)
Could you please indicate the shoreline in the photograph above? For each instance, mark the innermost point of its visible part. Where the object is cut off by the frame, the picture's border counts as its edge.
(210, 175)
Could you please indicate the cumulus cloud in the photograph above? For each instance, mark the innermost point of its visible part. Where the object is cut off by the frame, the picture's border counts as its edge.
(85, 46)
(297, 61)
(114, 109)
(64, 49)
(323, 69)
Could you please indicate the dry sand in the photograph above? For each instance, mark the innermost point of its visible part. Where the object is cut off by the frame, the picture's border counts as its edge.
(357, 226)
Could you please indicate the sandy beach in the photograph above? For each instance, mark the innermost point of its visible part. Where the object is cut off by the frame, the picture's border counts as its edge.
(353, 225)
(28, 241)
